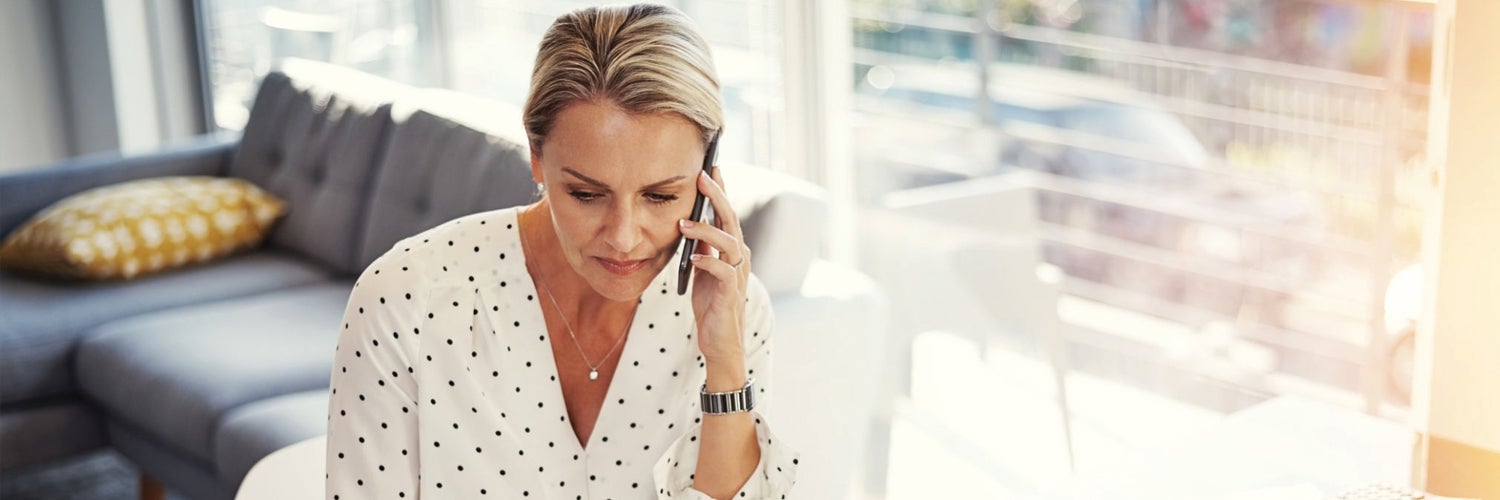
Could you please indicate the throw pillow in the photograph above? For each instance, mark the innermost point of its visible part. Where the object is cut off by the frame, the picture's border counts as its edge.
(141, 227)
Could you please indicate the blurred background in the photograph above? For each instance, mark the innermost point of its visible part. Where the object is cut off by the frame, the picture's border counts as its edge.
(1175, 246)
(1225, 187)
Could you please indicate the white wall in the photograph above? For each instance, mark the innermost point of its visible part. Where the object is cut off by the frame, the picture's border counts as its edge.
(90, 76)
(131, 63)
(83, 55)
(32, 126)
(1457, 383)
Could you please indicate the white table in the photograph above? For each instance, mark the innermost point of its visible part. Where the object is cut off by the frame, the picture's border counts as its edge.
(291, 473)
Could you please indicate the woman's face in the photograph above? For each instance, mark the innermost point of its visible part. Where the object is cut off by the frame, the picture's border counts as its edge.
(617, 184)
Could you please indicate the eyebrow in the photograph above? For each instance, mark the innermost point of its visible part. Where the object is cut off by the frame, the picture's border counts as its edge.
(589, 180)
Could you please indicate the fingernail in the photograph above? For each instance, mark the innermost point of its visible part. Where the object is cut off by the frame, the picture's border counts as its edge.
(696, 256)
(685, 223)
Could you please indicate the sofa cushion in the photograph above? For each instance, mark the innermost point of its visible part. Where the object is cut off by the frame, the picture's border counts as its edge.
(185, 476)
(450, 155)
(29, 191)
(41, 321)
(250, 432)
(174, 374)
(140, 227)
(37, 434)
(315, 134)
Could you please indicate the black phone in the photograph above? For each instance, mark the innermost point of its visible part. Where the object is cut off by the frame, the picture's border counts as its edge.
(689, 245)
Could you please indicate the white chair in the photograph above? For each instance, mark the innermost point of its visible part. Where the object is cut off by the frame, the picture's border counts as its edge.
(962, 258)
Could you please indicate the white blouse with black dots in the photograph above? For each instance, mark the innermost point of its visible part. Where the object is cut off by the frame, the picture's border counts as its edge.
(444, 385)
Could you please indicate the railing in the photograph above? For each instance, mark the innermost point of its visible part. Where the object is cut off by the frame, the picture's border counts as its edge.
(1347, 140)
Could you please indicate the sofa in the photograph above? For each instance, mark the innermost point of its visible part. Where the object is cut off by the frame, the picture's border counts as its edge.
(194, 375)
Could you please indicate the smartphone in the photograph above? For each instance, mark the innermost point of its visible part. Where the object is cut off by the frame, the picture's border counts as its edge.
(689, 245)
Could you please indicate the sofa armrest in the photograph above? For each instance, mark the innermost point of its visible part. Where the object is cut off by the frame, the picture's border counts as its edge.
(26, 192)
(784, 219)
(829, 353)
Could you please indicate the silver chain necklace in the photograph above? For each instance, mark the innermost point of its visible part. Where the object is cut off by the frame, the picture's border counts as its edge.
(593, 368)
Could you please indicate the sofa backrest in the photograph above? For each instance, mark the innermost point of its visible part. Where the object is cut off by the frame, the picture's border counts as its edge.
(314, 138)
(364, 162)
(452, 154)
(449, 155)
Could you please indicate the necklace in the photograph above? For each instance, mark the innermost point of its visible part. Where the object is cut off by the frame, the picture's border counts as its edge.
(593, 368)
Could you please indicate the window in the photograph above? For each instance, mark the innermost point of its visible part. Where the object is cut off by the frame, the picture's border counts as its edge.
(1227, 188)
(243, 39)
(481, 47)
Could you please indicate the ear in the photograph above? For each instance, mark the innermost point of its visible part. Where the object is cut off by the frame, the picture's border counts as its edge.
(536, 167)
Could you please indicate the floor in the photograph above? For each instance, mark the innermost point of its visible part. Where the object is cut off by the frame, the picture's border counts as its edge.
(1011, 443)
(103, 475)
(989, 427)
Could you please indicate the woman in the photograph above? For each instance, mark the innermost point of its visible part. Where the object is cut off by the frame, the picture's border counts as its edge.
(541, 351)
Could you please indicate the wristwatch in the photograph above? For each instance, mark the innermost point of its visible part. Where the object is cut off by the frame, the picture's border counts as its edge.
(724, 403)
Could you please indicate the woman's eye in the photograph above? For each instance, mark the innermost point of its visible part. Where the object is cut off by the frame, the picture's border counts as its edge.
(661, 199)
(657, 198)
(584, 196)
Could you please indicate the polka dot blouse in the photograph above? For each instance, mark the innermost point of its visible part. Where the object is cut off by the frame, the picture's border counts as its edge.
(444, 384)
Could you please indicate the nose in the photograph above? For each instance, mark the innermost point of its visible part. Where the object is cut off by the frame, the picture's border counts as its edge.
(623, 228)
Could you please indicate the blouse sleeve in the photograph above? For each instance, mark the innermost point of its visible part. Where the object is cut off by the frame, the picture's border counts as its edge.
(372, 426)
(776, 472)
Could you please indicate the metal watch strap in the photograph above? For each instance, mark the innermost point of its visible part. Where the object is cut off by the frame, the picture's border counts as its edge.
(723, 403)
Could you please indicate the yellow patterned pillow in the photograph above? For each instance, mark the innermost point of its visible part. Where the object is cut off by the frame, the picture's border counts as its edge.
(140, 227)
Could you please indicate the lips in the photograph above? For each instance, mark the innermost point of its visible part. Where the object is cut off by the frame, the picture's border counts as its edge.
(621, 267)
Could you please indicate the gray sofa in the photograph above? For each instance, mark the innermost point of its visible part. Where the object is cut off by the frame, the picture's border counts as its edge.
(195, 375)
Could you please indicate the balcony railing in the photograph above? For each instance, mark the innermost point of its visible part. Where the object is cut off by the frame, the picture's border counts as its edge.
(1352, 143)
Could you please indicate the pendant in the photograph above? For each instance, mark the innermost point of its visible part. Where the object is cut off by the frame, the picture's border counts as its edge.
(593, 374)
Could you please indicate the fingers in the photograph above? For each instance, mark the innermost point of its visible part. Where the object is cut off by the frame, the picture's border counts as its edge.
(713, 188)
(723, 235)
(708, 236)
(727, 275)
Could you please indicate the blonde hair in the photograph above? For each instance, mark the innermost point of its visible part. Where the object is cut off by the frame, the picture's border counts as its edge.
(644, 58)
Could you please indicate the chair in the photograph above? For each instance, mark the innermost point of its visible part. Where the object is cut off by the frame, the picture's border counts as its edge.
(964, 258)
